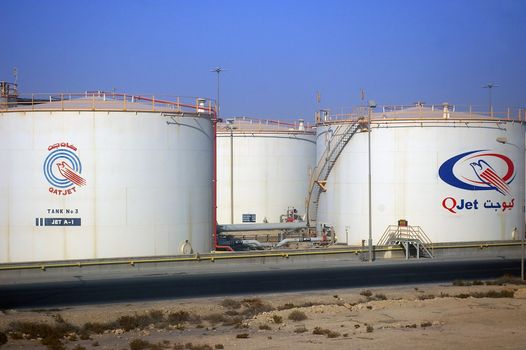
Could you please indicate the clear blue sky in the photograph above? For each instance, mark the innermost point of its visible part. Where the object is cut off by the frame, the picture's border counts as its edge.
(279, 53)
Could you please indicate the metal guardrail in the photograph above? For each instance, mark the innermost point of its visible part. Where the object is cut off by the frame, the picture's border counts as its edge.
(229, 256)
(427, 112)
(249, 124)
(105, 101)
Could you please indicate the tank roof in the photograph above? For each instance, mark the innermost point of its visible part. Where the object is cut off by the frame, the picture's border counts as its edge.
(255, 125)
(106, 101)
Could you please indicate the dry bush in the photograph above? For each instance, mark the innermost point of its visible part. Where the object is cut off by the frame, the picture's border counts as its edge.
(366, 293)
(254, 307)
(219, 346)
(178, 317)
(286, 306)
(425, 324)
(79, 347)
(326, 332)
(297, 315)
(265, 327)
(301, 329)
(231, 304)
(242, 336)
(380, 296)
(215, 318)
(426, 297)
(277, 319)
(3, 338)
(369, 328)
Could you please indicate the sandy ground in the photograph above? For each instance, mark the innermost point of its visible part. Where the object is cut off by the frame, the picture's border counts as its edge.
(420, 317)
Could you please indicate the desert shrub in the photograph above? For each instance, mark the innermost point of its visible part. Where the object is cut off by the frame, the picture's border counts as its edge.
(326, 332)
(369, 328)
(444, 295)
(132, 322)
(462, 295)
(277, 319)
(297, 315)
(461, 283)
(79, 347)
(286, 306)
(156, 316)
(426, 296)
(425, 324)
(366, 293)
(265, 327)
(219, 346)
(494, 294)
(42, 330)
(178, 346)
(53, 343)
(231, 313)
(3, 338)
(139, 344)
(478, 283)
(410, 325)
(96, 327)
(231, 304)
(95, 343)
(178, 317)
(254, 307)
(242, 336)
(214, 318)
(301, 329)
(380, 296)
(233, 321)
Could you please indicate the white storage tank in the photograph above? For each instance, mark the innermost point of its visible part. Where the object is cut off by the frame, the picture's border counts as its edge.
(262, 169)
(459, 175)
(102, 175)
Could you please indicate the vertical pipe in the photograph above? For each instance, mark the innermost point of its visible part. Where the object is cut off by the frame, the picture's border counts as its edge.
(231, 174)
(369, 178)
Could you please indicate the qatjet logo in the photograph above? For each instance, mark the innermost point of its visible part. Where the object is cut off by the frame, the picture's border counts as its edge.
(480, 170)
(63, 169)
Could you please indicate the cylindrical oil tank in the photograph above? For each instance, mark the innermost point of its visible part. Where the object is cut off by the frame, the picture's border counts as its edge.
(263, 170)
(458, 175)
(104, 175)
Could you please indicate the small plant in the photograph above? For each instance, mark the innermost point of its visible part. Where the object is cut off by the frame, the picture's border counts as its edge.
(178, 346)
(478, 283)
(410, 325)
(79, 347)
(297, 315)
(95, 343)
(366, 293)
(426, 297)
(219, 346)
(345, 335)
(425, 324)
(264, 327)
(3, 338)
(380, 296)
(286, 306)
(139, 344)
(356, 326)
(231, 313)
(231, 304)
(332, 334)
(444, 295)
(242, 336)
(215, 318)
(461, 283)
(255, 306)
(326, 332)
(277, 319)
(178, 317)
(369, 328)
(335, 296)
(156, 316)
(301, 329)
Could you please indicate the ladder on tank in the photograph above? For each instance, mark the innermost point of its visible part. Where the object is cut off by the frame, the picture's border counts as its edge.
(318, 180)
(411, 238)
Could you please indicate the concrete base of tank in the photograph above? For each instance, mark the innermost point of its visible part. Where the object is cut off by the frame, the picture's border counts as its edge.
(232, 261)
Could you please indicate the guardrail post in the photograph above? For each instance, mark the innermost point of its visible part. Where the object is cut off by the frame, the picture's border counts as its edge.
(153, 103)
(93, 101)
(124, 101)
(62, 101)
(32, 102)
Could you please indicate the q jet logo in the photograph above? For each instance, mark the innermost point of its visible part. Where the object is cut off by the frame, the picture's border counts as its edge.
(478, 171)
(63, 169)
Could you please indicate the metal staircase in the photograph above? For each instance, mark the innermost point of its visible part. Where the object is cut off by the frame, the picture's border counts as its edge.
(340, 137)
(407, 237)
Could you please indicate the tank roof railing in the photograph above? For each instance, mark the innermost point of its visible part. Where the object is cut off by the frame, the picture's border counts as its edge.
(107, 101)
(423, 111)
(250, 124)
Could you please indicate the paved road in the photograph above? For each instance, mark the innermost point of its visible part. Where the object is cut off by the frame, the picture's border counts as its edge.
(177, 285)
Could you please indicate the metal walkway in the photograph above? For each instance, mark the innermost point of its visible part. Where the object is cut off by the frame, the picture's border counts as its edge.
(407, 237)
